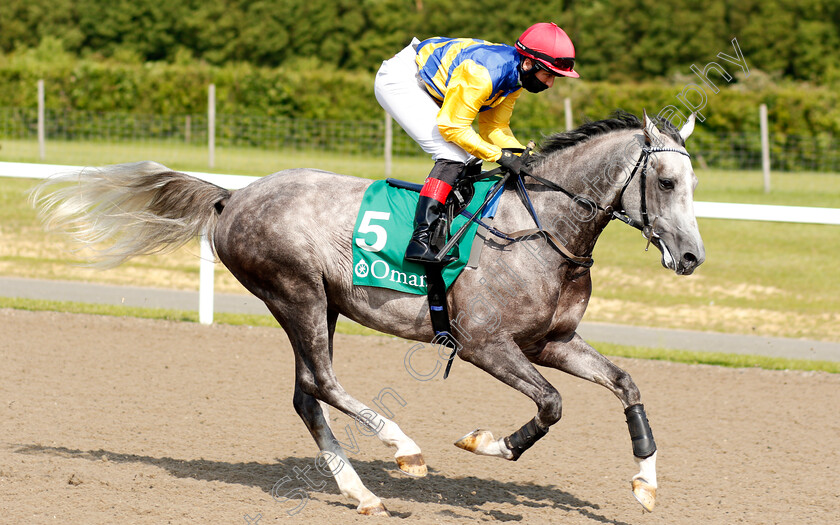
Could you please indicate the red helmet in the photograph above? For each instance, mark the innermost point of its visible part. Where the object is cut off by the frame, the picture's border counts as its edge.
(550, 46)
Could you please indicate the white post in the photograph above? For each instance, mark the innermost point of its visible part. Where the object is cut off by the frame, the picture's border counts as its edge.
(568, 107)
(765, 148)
(205, 282)
(211, 124)
(389, 143)
(42, 135)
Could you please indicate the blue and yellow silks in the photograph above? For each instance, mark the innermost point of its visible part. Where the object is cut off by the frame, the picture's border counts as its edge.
(472, 78)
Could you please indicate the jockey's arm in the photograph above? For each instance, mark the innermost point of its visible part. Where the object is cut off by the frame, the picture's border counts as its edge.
(469, 87)
(494, 123)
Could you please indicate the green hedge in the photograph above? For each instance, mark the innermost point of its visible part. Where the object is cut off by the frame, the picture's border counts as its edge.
(309, 90)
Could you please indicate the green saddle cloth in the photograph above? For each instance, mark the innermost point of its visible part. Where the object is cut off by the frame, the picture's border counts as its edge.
(384, 227)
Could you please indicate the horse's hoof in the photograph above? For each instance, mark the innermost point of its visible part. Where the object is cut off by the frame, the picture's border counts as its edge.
(374, 510)
(645, 493)
(482, 442)
(474, 440)
(413, 465)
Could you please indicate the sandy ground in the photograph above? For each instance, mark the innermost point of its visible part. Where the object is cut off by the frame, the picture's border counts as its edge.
(116, 420)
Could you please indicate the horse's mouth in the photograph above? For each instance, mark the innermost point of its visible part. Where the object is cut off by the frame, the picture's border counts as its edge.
(667, 259)
(669, 262)
(655, 238)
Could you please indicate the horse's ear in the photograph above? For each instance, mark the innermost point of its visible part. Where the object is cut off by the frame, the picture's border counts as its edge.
(688, 127)
(650, 130)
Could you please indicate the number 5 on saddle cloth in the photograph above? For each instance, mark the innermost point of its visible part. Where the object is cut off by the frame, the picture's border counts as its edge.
(384, 227)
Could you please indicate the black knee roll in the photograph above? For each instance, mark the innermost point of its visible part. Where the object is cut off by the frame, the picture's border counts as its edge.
(446, 170)
(640, 434)
(522, 439)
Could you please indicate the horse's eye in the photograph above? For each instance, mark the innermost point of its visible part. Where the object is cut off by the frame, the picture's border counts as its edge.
(666, 184)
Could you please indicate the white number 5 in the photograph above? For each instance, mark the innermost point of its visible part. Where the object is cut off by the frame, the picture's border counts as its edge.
(379, 231)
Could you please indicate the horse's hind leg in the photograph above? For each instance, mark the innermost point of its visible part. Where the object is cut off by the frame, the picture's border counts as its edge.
(578, 358)
(408, 456)
(312, 342)
(310, 326)
(349, 483)
(327, 388)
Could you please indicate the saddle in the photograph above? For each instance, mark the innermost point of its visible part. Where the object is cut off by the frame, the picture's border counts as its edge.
(459, 198)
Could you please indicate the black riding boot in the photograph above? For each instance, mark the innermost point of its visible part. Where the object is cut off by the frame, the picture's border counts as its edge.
(431, 208)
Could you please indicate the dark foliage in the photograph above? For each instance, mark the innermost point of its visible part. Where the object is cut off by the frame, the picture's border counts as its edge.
(615, 39)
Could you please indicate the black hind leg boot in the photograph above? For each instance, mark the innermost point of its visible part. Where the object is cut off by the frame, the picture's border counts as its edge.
(431, 208)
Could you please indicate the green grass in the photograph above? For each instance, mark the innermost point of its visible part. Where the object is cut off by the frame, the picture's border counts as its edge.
(162, 314)
(789, 189)
(234, 161)
(794, 266)
(717, 358)
(774, 279)
(661, 354)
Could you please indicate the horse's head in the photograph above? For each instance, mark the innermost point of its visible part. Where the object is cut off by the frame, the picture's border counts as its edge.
(668, 183)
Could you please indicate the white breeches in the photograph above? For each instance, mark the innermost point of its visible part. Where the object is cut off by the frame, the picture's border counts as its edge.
(400, 92)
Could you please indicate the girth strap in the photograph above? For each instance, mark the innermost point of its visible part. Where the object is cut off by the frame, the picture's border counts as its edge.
(436, 291)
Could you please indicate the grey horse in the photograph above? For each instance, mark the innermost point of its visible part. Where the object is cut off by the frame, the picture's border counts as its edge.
(287, 238)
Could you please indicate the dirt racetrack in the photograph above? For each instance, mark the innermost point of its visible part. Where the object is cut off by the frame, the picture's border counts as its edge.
(118, 420)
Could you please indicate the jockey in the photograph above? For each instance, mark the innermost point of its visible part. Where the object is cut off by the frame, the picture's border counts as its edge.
(435, 89)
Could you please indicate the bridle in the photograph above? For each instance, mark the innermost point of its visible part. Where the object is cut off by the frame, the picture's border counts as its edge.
(645, 226)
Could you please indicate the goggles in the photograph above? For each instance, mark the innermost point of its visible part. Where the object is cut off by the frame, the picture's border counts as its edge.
(561, 63)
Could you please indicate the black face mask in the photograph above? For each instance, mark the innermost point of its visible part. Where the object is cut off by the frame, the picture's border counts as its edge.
(530, 81)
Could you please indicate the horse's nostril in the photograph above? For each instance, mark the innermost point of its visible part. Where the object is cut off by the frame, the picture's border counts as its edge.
(690, 258)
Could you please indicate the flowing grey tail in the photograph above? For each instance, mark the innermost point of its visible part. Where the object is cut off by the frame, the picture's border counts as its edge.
(126, 210)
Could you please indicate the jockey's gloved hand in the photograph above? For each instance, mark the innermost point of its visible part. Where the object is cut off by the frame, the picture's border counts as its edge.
(510, 162)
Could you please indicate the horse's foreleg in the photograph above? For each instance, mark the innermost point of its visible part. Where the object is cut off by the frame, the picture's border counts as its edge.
(578, 358)
(506, 362)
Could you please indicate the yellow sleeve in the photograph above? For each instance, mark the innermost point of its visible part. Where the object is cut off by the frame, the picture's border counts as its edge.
(494, 124)
(469, 87)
